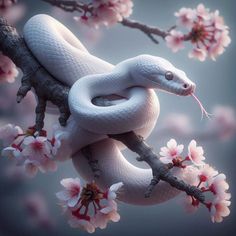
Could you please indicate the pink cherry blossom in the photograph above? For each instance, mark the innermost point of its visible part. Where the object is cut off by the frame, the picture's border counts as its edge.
(195, 153)
(106, 214)
(8, 133)
(36, 148)
(171, 151)
(87, 206)
(217, 20)
(112, 191)
(85, 225)
(191, 175)
(206, 172)
(15, 173)
(207, 33)
(12, 153)
(8, 71)
(178, 123)
(202, 12)
(31, 168)
(219, 209)
(223, 122)
(5, 4)
(12, 12)
(191, 205)
(59, 134)
(71, 194)
(185, 17)
(37, 210)
(175, 40)
(30, 150)
(106, 12)
(198, 53)
(219, 186)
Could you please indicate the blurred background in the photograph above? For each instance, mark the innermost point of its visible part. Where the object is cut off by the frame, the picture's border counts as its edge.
(29, 206)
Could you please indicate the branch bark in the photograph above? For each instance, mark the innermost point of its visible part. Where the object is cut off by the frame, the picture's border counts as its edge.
(47, 88)
(35, 76)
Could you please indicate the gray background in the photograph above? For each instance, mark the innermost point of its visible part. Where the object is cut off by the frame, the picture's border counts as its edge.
(215, 85)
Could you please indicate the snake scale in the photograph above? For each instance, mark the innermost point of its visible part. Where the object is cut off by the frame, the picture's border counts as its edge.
(130, 87)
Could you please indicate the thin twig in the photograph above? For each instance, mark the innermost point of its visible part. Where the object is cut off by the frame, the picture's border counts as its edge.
(76, 6)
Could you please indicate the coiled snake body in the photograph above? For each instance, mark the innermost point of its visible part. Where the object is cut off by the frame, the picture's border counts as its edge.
(129, 86)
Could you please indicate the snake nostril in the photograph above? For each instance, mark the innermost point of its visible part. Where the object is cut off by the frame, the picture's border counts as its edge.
(185, 86)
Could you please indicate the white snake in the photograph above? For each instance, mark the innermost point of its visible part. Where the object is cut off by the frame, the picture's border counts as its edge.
(135, 106)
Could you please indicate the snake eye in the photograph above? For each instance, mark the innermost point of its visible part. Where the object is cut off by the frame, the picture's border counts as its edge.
(169, 75)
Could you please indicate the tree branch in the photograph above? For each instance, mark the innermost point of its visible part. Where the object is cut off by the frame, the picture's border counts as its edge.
(160, 170)
(77, 6)
(35, 76)
(47, 88)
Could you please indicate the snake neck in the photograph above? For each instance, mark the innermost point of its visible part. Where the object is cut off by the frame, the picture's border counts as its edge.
(115, 82)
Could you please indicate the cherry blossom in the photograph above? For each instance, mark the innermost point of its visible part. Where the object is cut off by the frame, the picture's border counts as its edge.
(15, 173)
(202, 12)
(171, 151)
(5, 4)
(32, 150)
(185, 17)
(218, 186)
(202, 176)
(36, 148)
(175, 40)
(105, 215)
(37, 210)
(8, 133)
(178, 123)
(112, 191)
(31, 168)
(71, 194)
(219, 208)
(12, 12)
(106, 12)
(191, 175)
(87, 206)
(198, 53)
(206, 31)
(85, 225)
(195, 153)
(12, 152)
(206, 172)
(191, 205)
(223, 122)
(8, 71)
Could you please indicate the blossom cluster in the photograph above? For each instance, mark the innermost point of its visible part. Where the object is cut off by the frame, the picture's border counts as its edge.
(87, 206)
(4, 4)
(223, 121)
(8, 71)
(12, 11)
(195, 172)
(105, 12)
(32, 150)
(206, 31)
(37, 210)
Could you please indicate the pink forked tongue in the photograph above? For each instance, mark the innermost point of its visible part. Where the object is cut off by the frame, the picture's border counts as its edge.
(203, 110)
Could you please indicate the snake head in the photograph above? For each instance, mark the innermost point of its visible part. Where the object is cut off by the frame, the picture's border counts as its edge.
(156, 72)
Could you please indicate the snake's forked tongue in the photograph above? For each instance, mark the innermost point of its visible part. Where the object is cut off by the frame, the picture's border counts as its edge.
(203, 110)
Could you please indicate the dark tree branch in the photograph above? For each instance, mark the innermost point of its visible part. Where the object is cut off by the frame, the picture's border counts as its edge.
(160, 170)
(35, 76)
(47, 88)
